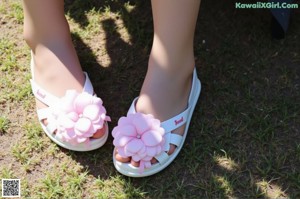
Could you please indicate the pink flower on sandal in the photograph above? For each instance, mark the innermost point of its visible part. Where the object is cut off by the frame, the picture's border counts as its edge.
(78, 116)
(139, 136)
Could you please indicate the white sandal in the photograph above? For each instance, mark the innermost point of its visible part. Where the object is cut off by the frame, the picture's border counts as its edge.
(74, 118)
(143, 137)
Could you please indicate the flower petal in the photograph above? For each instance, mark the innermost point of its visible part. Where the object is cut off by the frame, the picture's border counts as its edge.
(90, 132)
(69, 134)
(127, 130)
(134, 145)
(160, 130)
(121, 141)
(121, 152)
(73, 116)
(136, 158)
(65, 122)
(151, 151)
(67, 101)
(97, 101)
(142, 122)
(81, 139)
(147, 164)
(158, 149)
(128, 154)
(115, 132)
(143, 150)
(147, 158)
(82, 126)
(124, 121)
(142, 155)
(92, 112)
(82, 101)
(151, 138)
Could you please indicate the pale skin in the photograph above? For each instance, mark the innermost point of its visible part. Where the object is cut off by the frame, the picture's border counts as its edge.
(47, 33)
(165, 90)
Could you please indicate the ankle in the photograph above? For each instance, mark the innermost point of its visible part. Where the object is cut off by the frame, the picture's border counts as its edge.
(164, 96)
(56, 71)
(178, 66)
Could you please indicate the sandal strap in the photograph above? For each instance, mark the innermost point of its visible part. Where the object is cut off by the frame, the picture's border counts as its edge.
(43, 113)
(175, 139)
(88, 87)
(49, 99)
(172, 138)
(42, 95)
(170, 124)
(162, 157)
(176, 122)
(132, 106)
(51, 127)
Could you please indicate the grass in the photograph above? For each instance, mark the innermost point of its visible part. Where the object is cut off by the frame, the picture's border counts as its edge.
(244, 137)
(4, 124)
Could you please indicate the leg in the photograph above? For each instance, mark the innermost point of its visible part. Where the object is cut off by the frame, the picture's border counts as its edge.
(171, 60)
(166, 88)
(47, 33)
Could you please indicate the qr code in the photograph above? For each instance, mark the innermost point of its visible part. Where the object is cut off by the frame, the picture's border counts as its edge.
(11, 188)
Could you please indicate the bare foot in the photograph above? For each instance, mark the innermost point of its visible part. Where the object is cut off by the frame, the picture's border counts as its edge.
(157, 98)
(57, 76)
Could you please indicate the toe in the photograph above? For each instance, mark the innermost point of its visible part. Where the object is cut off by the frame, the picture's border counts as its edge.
(134, 163)
(172, 149)
(99, 133)
(153, 161)
(121, 159)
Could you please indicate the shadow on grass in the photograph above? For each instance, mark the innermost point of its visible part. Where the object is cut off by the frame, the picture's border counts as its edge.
(244, 137)
(116, 84)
